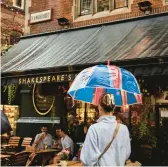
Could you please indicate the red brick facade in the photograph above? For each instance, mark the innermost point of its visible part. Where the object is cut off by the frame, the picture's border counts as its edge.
(64, 8)
(12, 22)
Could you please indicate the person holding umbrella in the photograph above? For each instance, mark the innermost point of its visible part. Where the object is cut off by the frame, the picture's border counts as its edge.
(107, 143)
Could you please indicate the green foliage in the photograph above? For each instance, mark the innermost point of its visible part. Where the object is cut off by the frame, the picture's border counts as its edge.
(53, 115)
(5, 49)
(11, 92)
(143, 130)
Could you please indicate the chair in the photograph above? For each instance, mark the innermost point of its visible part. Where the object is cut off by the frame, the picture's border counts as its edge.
(14, 141)
(19, 159)
(26, 142)
(12, 146)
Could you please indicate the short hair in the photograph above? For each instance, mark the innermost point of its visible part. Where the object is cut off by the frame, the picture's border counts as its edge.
(106, 101)
(44, 125)
(65, 130)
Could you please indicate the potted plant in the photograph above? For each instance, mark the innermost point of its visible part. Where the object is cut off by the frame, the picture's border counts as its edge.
(64, 157)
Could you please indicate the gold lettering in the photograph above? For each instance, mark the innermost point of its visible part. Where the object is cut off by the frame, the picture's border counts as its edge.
(20, 80)
(49, 77)
(53, 78)
(41, 78)
(37, 79)
(28, 80)
(24, 81)
(58, 77)
(32, 80)
(62, 78)
(69, 77)
(44, 79)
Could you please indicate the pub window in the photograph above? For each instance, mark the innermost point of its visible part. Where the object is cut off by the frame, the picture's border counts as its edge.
(120, 4)
(166, 1)
(18, 3)
(85, 111)
(102, 5)
(85, 7)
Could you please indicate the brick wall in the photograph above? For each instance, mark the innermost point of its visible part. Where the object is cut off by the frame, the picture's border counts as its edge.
(11, 18)
(63, 8)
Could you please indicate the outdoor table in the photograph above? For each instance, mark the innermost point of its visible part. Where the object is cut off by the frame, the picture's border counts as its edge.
(41, 151)
(7, 145)
(2, 156)
(42, 154)
(69, 163)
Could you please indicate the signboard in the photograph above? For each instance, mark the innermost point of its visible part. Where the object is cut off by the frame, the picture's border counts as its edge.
(46, 79)
(40, 16)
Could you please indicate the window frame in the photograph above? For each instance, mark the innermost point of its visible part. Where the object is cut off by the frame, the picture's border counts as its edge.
(94, 8)
(20, 7)
(80, 10)
(126, 1)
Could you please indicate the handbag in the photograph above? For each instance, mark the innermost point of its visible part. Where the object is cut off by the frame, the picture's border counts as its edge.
(108, 146)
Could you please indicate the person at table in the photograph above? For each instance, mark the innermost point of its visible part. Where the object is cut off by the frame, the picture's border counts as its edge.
(66, 142)
(57, 143)
(44, 138)
(100, 134)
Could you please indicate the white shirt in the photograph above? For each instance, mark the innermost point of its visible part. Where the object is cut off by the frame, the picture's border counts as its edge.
(67, 143)
(98, 137)
(46, 140)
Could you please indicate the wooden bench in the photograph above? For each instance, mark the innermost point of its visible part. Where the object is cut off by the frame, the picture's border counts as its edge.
(26, 142)
(14, 141)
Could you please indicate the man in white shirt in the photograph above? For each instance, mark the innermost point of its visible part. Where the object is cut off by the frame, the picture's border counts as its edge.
(66, 141)
(43, 139)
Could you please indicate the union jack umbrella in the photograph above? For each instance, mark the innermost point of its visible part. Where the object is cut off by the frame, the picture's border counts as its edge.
(90, 83)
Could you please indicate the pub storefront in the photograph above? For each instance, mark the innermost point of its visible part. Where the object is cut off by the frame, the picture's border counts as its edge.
(41, 99)
(43, 66)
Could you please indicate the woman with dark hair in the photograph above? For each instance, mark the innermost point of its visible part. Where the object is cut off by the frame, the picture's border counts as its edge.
(99, 149)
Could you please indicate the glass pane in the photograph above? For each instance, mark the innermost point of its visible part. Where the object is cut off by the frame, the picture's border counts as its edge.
(19, 3)
(86, 7)
(102, 5)
(121, 3)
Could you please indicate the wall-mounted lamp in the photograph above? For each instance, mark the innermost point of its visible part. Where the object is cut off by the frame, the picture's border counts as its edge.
(63, 21)
(145, 6)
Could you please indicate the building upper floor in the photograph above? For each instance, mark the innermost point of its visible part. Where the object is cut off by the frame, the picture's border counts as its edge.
(49, 15)
(12, 22)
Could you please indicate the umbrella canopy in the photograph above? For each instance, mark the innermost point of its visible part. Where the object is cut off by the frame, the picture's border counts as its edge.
(5, 125)
(90, 83)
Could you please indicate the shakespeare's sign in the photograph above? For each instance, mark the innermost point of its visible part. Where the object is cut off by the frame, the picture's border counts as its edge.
(46, 79)
(40, 16)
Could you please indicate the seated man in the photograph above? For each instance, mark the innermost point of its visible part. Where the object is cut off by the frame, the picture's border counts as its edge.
(43, 139)
(57, 143)
(66, 142)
